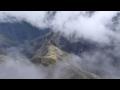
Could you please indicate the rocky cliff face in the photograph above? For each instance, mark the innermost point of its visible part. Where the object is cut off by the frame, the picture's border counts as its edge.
(58, 61)
(50, 55)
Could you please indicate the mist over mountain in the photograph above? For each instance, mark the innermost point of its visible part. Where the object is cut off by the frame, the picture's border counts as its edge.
(59, 44)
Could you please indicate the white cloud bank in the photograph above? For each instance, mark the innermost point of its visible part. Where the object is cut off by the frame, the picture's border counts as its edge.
(94, 28)
(19, 67)
(68, 22)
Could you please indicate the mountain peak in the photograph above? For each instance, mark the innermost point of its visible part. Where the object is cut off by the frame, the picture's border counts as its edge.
(50, 55)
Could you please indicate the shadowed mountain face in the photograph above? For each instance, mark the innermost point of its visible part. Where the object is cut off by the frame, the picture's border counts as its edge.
(20, 32)
(61, 42)
(30, 39)
(23, 33)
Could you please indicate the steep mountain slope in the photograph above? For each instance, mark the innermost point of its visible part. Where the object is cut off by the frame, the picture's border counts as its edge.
(5, 41)
(44, 47)
(54, 59)
(32, 38)
(20, 32)
(65, 44)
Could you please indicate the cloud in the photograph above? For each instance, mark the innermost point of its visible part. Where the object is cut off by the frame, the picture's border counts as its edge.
(36, 18)
(68, 22)
(16, 66)
(95, 27)
(91, 28)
